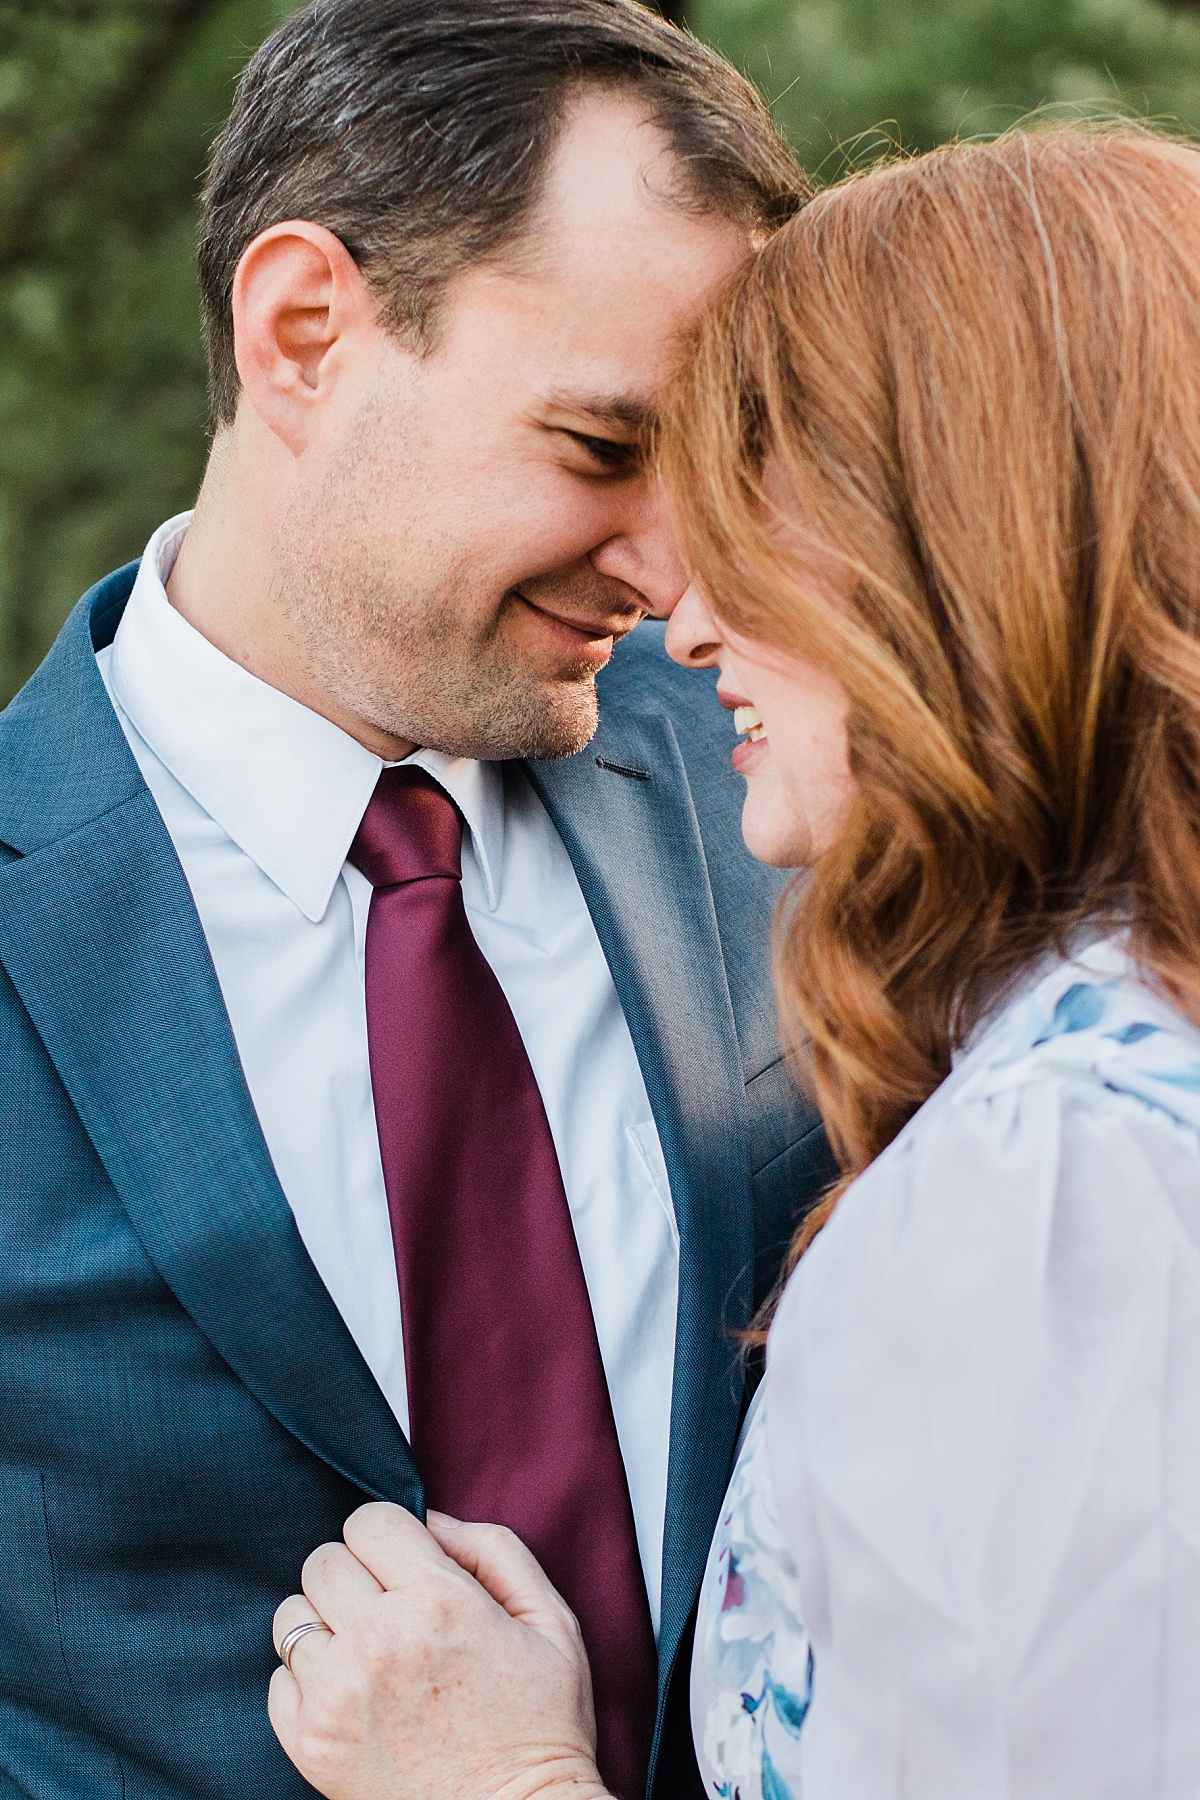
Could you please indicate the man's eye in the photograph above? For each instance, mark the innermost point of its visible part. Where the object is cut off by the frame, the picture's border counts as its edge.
(611, 453)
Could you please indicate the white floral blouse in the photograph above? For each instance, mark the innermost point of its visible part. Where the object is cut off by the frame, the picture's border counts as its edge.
(752, 1670)
(960, 1553)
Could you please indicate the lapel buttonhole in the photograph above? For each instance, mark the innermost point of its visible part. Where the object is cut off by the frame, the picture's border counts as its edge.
(623, 769)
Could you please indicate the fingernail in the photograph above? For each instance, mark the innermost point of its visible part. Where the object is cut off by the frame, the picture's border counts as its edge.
(444, 1520)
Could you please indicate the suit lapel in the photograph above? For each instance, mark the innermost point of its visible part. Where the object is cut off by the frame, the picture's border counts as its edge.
(624, 810)
(101, 939)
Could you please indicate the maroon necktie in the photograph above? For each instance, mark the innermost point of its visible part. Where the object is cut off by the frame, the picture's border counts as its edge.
(510, 1418)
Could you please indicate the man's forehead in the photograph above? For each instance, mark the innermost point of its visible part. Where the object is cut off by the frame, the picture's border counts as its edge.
(618, 206)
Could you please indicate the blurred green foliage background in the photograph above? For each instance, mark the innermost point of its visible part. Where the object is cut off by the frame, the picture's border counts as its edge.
(106, 110)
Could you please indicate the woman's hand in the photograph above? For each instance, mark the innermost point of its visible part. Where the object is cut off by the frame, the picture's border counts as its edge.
(452, 1669)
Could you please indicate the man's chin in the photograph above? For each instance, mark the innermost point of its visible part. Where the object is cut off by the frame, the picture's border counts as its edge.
(563, 726)
(539, 724)
(553, 748)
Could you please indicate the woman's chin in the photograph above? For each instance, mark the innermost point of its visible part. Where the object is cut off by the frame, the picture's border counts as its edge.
(774, 836)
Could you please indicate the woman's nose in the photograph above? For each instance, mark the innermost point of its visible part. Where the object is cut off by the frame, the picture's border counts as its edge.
(693, 635)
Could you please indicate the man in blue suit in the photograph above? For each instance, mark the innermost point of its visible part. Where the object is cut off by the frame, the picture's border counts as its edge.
(448, 248)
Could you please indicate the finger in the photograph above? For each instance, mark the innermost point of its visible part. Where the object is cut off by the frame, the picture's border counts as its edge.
(338, 1585)
(306, 1650)
(295, 1610)
(500, 1562)
(391, 1543)
(283, 1707)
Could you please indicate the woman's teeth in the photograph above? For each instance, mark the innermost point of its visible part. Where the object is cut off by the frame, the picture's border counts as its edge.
(747, 723)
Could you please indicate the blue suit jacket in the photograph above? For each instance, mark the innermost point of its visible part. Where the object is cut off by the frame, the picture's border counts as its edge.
(184, 1415)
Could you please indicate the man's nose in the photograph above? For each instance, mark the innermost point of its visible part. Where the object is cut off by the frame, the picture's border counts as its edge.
(645, 556)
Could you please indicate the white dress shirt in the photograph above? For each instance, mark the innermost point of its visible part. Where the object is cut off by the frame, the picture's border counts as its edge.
(262, 799)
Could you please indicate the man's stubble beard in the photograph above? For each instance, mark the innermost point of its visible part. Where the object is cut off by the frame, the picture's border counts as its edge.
(406, 664)
(400, 652)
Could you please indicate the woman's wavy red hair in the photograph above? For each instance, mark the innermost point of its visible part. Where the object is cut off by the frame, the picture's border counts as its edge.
(978, 374)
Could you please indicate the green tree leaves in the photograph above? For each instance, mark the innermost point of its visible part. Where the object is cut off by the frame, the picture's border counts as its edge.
(106, 111)
(926, 70)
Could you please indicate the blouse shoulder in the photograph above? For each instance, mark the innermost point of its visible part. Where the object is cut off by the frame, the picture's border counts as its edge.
(1080, 1102)
(1090, 1022)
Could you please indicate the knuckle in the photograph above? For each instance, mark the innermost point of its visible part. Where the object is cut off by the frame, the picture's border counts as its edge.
(373, 1521)
(292, 1611)
(284, 1613)
(319, 1562)
(362, 1519)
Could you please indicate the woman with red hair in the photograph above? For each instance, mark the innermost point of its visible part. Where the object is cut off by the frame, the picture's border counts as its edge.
(937, 460)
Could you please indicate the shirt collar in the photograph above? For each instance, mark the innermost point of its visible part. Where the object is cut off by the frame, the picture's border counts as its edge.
(288, 786)
(477, 789)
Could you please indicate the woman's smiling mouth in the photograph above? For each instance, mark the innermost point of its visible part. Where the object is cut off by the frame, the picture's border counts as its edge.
(752, 736)
(747, 723)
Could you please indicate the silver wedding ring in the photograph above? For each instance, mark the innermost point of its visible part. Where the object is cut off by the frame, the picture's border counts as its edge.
(292, 1638)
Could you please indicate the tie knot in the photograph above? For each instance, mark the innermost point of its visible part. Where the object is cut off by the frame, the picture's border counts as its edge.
(410, 831)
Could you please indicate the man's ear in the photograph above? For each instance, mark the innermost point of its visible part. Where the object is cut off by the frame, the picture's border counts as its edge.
(299, 303)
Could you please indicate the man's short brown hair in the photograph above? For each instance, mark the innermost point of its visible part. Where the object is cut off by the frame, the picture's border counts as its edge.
(419, 133)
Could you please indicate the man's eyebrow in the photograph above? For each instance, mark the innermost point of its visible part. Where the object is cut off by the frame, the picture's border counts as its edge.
(608, 409)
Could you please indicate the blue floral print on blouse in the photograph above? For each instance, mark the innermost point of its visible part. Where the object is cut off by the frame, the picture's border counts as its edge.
(1111, 1028)
(755, 1646)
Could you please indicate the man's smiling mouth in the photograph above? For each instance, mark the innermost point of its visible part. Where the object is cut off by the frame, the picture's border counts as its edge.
(591, 631)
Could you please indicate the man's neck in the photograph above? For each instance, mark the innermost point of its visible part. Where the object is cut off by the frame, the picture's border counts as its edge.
(225, 584)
